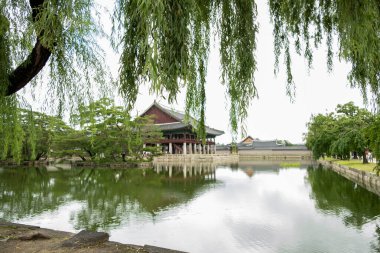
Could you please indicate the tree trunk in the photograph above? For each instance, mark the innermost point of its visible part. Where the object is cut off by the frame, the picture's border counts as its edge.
(37, 59)
(365, 160)
(39, 156)
(92, 155)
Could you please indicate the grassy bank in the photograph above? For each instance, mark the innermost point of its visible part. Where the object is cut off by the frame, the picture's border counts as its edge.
(353, 163)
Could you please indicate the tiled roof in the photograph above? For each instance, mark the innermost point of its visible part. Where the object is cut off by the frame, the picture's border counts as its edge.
(264, 145)
(181, 118)
(297, 147)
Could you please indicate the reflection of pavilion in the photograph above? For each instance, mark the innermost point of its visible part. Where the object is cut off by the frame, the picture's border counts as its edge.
(205, 171)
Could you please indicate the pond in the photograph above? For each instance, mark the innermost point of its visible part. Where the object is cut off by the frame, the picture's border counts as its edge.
(243, 207)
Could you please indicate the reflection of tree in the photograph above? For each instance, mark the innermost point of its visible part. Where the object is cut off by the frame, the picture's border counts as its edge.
(335, 193)
(376, 246)
(110, 195)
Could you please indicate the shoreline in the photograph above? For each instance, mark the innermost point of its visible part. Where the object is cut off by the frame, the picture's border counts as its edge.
(367, 180)
(15, 237)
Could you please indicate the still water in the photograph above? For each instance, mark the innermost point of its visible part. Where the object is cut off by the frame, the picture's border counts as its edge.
(244, 207)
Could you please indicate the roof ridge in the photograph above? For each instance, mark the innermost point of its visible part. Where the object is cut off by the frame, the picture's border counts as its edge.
(168, 108)
(181, 117)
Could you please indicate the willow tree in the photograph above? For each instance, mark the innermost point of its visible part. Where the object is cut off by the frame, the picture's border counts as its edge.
(166, 44)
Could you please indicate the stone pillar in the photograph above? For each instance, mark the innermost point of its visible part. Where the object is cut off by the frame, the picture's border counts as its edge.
(208, 149)
(170, 148)
(144, 145)
(190, 148)
(184, 148)
(204, 149)
(199, 149)
(214, 148)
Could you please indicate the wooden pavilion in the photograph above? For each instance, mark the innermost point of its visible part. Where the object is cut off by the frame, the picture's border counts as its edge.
(180, 136)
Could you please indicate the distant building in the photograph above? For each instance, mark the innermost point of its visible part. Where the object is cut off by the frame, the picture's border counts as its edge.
(247, 140)
(261, 144)
(250, 143)
(180, 136)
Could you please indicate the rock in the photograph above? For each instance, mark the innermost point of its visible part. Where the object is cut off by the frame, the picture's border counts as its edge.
(86, 238)
(33, 236)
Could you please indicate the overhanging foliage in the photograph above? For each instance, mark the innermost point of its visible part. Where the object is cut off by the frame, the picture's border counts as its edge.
(166, 43)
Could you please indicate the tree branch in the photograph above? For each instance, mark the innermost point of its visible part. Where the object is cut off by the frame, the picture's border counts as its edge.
(37, 59)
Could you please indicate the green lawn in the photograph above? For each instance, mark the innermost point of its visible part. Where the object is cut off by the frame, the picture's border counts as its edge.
(353, 163)
(290, 165)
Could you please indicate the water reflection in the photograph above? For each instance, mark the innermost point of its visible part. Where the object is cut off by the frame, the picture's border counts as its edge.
(258, 206)
(107, 197)
(336, 195)
(196, 171)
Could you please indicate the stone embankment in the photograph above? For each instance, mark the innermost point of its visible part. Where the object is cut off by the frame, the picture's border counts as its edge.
(120, 165)
(24, 238)
(369, 181)
(215, 158)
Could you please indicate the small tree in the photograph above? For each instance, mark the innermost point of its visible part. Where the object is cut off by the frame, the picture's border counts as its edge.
(108, 132)
(40, 129)
(340, 133)
(321, 134)
(373, 132)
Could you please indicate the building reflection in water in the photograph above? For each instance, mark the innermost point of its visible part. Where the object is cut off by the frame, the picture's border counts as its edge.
(184, 171)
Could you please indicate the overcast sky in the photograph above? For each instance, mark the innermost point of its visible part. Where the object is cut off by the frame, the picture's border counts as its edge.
(272, 116)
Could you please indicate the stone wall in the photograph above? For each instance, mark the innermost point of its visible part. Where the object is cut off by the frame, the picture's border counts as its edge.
(369, 181)
(272, 154)
(197, 158)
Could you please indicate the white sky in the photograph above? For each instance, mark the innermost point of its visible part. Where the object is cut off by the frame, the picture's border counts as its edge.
(272, 116)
